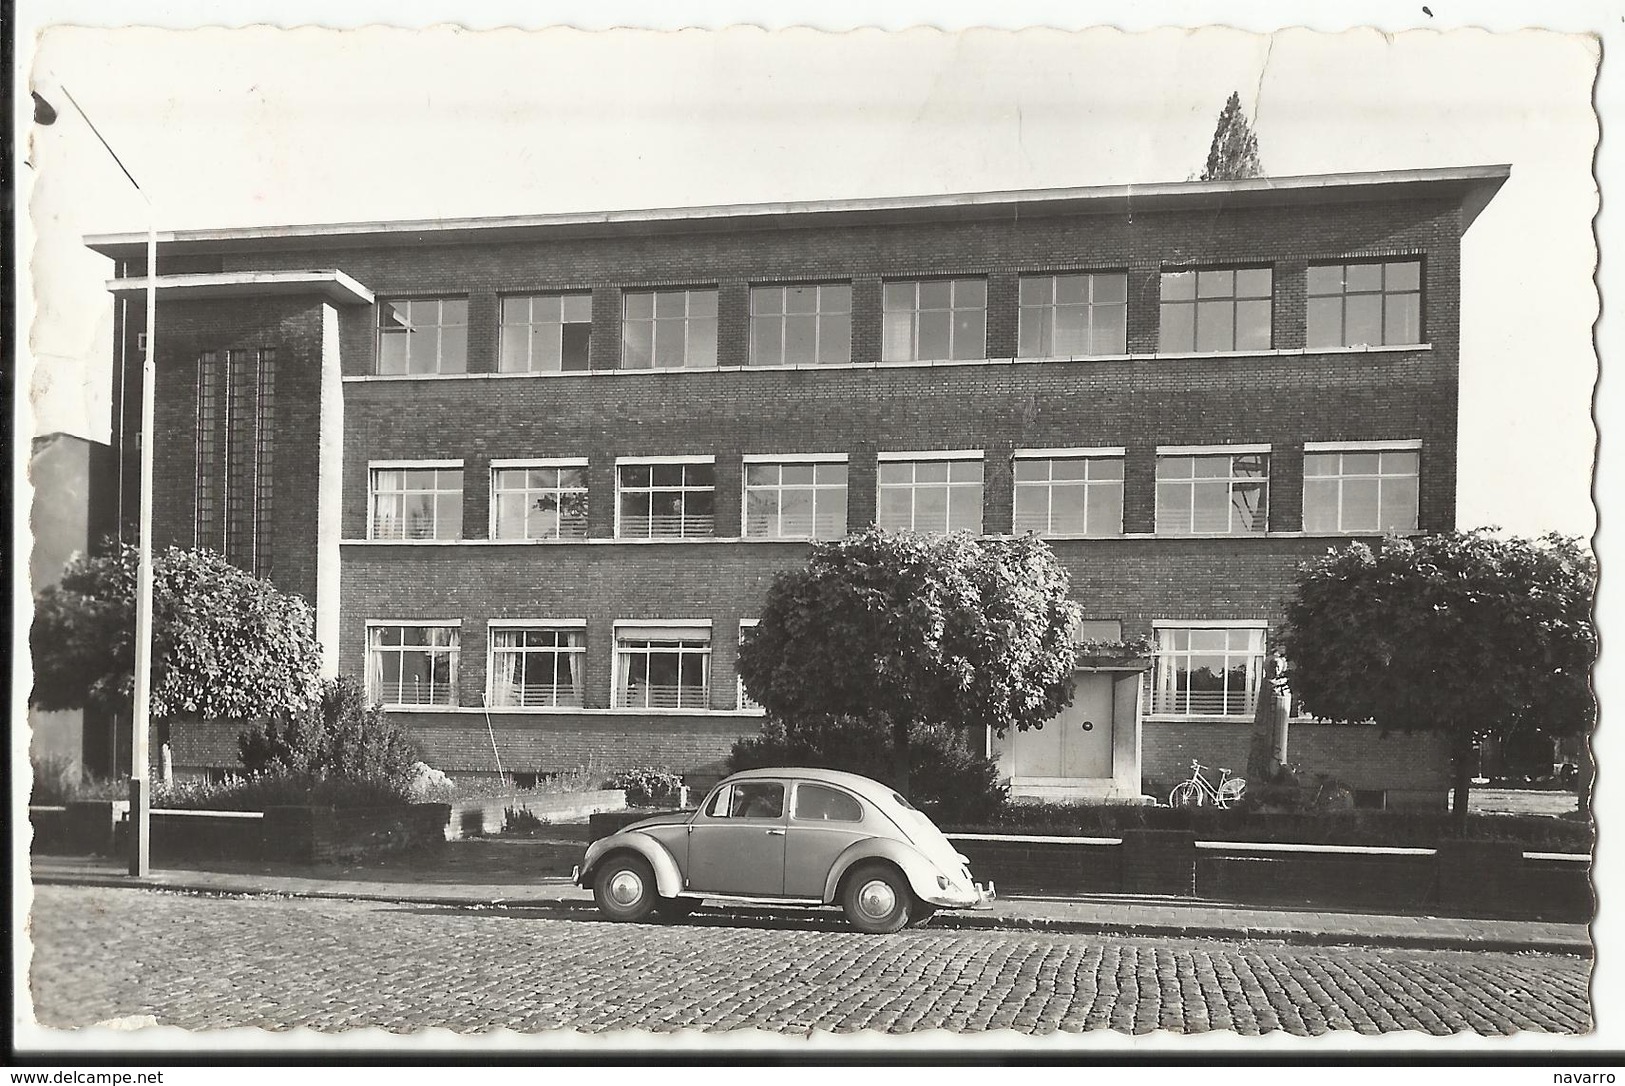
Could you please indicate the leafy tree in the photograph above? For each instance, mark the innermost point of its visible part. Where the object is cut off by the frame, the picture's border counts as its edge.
(903, 630)
(1466, 633)
(956, 784)
(339, 736)
(1233, 154)
(226, 644)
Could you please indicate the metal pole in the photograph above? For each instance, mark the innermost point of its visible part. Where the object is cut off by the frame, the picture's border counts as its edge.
(140, 816)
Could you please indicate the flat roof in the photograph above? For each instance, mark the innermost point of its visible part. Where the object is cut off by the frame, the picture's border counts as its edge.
(1475, 186)
(331, 284)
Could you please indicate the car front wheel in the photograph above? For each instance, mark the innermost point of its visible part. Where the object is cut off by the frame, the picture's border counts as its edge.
(624, 888)
(876, 899)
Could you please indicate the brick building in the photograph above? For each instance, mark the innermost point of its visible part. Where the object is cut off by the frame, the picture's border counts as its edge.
(535, 473)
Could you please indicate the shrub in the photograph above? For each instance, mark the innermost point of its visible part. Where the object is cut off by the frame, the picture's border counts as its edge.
(519, 820)
(948, 780)
(339, 737)
(58, 780)
(647, 786)
(256, 793)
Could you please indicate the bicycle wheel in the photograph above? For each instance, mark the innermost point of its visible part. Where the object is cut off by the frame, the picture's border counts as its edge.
(1231, 791)
(1185, 794)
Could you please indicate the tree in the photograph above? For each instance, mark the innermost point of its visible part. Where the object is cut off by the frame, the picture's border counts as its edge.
(903, 630)
(1233, 154)
(1466, 633)
(226, 644)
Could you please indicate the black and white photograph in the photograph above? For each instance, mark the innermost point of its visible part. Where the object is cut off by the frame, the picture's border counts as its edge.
(830, 532)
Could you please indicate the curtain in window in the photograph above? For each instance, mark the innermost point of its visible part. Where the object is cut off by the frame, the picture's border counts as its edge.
(505, 684)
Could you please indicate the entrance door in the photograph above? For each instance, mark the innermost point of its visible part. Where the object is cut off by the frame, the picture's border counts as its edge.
(1086, 729)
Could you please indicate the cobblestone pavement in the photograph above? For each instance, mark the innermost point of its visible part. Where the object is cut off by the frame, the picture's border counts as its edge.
(208, 962)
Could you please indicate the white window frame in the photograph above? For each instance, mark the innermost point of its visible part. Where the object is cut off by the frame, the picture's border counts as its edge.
(689, 319)
(1047, 313)
(916, 458)
(543, 463)
(453, 652)
(623, 462)
(1209, 451)
(376, 466)
(813, 460)
(1340, 448)
(824, 322)
(1382, 294)
(1159, 679)
(381, 332)
(1101, 453)
(913, 354)
(1196, 301)
(575, 626)
(743, 703)
(675, 627)
(528, 328)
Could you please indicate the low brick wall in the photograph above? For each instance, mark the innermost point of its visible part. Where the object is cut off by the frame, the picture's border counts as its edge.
(477, 817)
(1349, 880)
(1074, 866)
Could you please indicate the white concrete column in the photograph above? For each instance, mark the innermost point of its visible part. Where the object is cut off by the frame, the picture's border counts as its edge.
(329, 493)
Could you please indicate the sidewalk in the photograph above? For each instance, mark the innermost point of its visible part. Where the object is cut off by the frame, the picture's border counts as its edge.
(535, 874)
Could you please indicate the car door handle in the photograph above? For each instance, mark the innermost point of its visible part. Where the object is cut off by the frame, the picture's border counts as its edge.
(775, 833)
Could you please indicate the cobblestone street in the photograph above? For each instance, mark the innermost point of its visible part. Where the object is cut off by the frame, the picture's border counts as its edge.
(201, 962)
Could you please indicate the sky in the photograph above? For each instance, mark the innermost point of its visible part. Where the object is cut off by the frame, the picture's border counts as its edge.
(238, 127)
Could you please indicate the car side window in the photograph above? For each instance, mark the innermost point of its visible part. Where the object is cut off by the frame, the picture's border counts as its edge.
(718, 807)
(817, 803)
(757, 799)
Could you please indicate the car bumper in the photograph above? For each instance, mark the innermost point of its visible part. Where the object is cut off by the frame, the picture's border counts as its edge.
(955, 897)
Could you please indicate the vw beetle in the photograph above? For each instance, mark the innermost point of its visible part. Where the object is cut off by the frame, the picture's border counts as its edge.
(786, 836)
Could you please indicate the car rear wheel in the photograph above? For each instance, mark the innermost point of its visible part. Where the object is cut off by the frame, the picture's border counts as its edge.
(624, 888)
(876, 899)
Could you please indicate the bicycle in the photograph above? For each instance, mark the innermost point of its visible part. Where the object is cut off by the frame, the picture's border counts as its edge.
(1197, 792)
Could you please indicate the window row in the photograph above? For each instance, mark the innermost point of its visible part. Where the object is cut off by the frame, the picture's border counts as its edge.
(1198, 670)
(1202, 310)
(1198, 492)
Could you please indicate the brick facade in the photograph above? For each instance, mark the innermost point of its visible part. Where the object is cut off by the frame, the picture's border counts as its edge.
(1283, 397)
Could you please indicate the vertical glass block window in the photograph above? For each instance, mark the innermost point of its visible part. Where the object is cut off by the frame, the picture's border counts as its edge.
(1078, 314)
(1072, 495)
(934, 319)
(539, 502)
(1374, 304)
(1207, 672)
(1213, 495)
(1223, 309)
(412, 665)
(546, 333)
(668, 329)
(801, 325)
(1360, 491)
(417, 503)
(423, 335)
(931, 495)
(662, 667)
(536, 666)
(235, 441)
(792, 500)
(666, 501)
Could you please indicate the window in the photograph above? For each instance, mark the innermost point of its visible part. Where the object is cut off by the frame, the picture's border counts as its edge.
(1213, 495)
(546, 333)
(745, 703)
(662, 667)
(410, 665)
(1353, 305)
(938, 495)
(1069, 495)
(539, 501)
(536, 666)
(666, 500)
(235, 442)
(1359, 490)
(1219, 310)
(417, 502)
(935, 319)
(794, 499)
(801, 325)
(820, 803)
(668, 329)
(1074, 314)
(423, 335)
(747, 799)
(1207, 671)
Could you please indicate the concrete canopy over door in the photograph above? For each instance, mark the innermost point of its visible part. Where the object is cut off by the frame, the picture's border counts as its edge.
(1090, 751)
